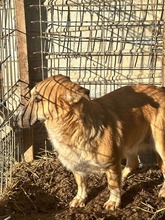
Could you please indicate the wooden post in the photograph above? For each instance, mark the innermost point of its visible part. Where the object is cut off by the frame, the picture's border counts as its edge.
(163, 54)
(35, 14)
(24, 73)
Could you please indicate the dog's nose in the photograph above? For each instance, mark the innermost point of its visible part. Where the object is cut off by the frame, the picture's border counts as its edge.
(15, 118)
(18, 116)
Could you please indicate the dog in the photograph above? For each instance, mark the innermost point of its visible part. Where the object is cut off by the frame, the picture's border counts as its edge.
(92, 136)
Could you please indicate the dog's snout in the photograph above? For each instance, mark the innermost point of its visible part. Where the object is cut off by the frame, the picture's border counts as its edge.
(15, 118)
(18, 118)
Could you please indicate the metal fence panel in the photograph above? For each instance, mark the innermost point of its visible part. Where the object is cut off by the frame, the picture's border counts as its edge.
(102, 44)
(10, 137)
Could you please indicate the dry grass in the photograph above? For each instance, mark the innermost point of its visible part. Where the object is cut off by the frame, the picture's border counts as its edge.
(43, 189)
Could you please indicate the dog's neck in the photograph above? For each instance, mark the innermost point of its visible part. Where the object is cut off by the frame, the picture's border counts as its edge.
(83, 120)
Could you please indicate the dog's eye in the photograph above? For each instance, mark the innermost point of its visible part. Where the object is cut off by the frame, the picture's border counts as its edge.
(37, 99)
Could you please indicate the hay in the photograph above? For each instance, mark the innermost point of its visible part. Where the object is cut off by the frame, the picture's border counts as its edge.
(45, 188)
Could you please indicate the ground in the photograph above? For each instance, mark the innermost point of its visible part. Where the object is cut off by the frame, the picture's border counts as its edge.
(42, 190)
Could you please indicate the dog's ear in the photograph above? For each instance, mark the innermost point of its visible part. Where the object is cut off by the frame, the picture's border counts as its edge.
(74, 97)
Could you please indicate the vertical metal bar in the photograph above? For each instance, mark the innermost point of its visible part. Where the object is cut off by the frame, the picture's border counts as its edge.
(41, 40)
(163, 52)
(24, 72)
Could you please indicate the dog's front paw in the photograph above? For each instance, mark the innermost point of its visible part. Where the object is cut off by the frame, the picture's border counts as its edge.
(162, 192)
(77, 202)
(111, 205)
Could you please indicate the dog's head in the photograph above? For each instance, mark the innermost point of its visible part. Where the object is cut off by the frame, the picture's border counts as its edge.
(51, 98)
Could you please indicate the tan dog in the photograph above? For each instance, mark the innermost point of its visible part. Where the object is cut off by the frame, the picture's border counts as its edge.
(93, 136)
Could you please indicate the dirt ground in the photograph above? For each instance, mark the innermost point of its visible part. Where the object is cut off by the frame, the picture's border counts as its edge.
(42, 190)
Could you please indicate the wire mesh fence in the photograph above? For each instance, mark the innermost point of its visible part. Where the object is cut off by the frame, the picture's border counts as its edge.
(10, 136)
(101, 44)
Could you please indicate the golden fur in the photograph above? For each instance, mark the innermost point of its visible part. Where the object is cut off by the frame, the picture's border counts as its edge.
(92, 136)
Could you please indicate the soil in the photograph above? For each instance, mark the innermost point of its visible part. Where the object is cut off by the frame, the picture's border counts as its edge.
(43, 189)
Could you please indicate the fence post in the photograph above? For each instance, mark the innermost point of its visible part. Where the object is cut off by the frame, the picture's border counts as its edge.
(24, 73)
(163, 54)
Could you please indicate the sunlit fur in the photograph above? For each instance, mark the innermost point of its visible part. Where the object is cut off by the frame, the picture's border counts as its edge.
(92, 136)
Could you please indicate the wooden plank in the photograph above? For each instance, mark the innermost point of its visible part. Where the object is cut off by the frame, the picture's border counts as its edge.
(28, 154)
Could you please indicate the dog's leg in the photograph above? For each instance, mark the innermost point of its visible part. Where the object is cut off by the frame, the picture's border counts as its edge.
(159, 138)
(131, 164)
(114, 185)
(161, 163)
(79, 199)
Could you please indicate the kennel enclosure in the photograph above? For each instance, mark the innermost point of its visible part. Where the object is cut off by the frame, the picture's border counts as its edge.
(102, 45)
